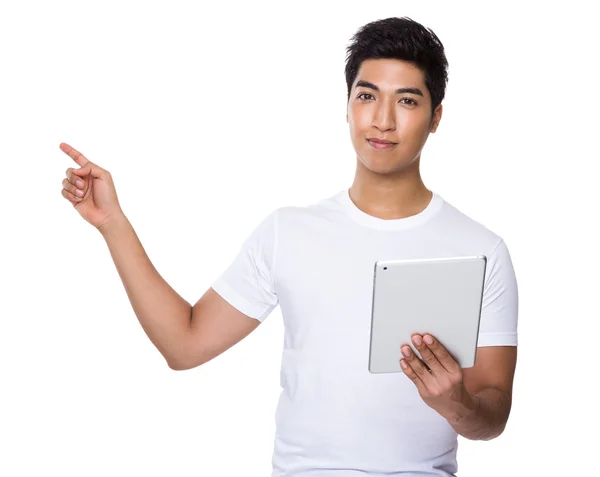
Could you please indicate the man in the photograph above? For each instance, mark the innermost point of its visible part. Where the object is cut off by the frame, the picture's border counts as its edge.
(334, 418)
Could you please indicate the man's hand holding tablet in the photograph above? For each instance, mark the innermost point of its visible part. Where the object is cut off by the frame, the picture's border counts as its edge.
(438, 377)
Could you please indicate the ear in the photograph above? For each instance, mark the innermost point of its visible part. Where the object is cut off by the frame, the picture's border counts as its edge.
(348, 110)
(437, 117)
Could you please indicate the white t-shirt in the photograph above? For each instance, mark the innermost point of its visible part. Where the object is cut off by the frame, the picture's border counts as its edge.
(334, 418)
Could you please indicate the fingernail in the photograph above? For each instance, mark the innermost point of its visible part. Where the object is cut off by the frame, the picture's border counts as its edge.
(79, 192)
(79, 183)
(428, 339)
(417, 341)
(406, 352)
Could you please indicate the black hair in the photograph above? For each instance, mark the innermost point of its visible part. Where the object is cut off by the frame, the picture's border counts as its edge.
(402, 39)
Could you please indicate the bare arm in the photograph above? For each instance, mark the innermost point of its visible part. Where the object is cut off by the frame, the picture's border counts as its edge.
(162, 312)
(215, 327)
(186, 336)
(484, 415)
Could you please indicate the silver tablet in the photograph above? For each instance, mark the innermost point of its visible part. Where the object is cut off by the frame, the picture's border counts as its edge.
(440, 296)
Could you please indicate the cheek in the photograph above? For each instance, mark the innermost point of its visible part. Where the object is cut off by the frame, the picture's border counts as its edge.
(415, 122)
(358, 132)
(359, 125)
(413, 130)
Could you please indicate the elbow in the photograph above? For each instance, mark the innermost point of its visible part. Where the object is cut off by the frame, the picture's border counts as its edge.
(179, 358)
(177, 363)
(182, 365)
(175, 366)
(498, 432)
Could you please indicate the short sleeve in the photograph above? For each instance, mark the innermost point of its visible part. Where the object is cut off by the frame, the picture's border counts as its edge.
(500, 307)
(247, 283)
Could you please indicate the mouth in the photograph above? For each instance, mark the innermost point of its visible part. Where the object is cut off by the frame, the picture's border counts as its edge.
(374, 143)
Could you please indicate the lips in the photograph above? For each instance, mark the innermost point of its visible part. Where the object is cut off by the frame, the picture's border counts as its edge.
(381, 146)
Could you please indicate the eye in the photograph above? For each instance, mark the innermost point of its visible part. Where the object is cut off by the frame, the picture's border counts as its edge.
(364, 94)
(412, 101)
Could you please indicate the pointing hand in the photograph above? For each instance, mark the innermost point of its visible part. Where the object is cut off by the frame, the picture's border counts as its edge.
(90, 189)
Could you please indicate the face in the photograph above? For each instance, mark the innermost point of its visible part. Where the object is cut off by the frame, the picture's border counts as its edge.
(403, 118)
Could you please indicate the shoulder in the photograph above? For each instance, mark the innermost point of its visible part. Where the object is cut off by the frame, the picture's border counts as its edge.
(308, 215)
(462, 227)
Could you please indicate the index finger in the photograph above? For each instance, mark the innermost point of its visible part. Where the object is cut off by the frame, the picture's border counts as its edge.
(78, 157)
(442, 354)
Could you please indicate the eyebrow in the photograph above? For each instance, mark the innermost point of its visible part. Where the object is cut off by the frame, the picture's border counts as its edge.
(366, 84)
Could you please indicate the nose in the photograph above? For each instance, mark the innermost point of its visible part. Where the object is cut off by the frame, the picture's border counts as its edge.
(384, 119)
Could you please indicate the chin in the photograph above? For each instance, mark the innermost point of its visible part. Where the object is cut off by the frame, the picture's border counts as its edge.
(380, 164)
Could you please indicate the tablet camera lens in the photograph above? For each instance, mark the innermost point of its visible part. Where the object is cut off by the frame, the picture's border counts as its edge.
(385, 268)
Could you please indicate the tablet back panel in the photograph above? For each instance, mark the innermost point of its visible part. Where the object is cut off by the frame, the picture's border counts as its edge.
(440, 296)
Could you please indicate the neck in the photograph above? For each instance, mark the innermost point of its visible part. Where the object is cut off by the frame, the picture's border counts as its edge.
(391, 196)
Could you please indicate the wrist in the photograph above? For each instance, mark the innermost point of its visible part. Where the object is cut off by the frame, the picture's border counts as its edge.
(112, 223)
(466, 407)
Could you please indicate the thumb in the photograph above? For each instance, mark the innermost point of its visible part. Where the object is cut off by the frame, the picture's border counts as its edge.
(90, 168)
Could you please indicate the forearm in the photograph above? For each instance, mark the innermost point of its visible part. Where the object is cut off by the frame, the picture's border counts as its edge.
(482, 416)
(162, 312)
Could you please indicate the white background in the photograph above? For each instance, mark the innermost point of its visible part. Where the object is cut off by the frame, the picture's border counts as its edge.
(210, 117)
